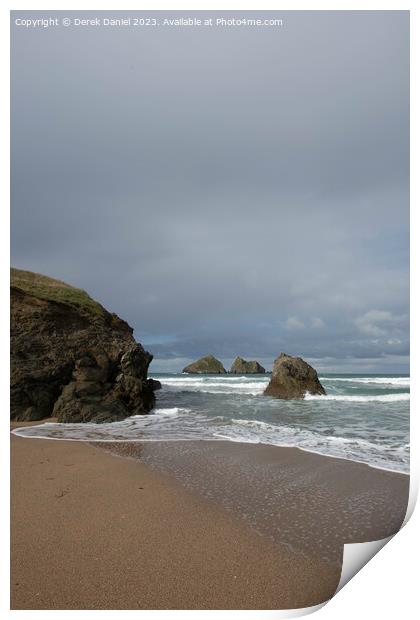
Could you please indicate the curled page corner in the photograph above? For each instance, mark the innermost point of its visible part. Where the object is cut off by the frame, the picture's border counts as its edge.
(286, 613)
(356, 556)
(305, 611)
(412, 498)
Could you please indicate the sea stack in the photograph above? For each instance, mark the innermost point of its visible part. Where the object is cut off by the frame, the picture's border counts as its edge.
(72, 359)
(206, 365)
(242, 367)
(292, 377)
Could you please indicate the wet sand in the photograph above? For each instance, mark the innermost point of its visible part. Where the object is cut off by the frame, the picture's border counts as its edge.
(91, 530)
(312, 503)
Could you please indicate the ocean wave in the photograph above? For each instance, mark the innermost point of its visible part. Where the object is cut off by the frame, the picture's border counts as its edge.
(217, 386)
(395, 458)
(240, 414)
(216, 383)
(169, 411)
(288, 432)
(227, 392)
(183, 424)
(203, 378)
(379, 398)
(397, 381)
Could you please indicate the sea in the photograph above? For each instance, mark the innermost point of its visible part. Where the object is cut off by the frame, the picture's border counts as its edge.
(362, 418)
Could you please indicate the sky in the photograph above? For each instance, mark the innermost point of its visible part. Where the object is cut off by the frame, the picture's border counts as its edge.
(226, 190)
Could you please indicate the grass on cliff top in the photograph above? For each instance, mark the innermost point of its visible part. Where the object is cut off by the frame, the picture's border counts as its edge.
(54, 290)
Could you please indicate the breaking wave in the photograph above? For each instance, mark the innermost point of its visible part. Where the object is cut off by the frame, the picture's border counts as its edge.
(393, 457)
(177, 424)
(219, 385)
(363, 419)
(397, 381)
(379, 398)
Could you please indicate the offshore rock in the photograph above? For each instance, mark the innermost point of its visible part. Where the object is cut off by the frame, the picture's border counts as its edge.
(72, 359)
(206, 365)
(242, 367)
(292, 377)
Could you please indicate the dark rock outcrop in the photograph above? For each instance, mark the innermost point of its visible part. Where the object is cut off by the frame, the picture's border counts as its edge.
(292, 377)
(206, 365)
(242, 367)
(72, 359)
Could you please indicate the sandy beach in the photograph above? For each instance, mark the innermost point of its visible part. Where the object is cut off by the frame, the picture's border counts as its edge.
(92, 530)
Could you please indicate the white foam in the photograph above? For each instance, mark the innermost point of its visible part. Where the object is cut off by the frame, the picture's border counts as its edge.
(350, 448)
(384, 398)
(245, 392)
(169, 411)
(201, 378)
(222, 385)
(397, 381)
(177, 424)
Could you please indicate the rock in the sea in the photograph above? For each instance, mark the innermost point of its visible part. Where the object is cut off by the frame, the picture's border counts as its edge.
(242, 367)
(206, 365)
(292, 377)
(72, 359)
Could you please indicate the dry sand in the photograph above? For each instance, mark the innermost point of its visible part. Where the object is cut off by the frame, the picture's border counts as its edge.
(95, 531)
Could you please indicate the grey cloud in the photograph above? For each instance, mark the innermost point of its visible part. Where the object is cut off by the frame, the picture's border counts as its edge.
(215, 187)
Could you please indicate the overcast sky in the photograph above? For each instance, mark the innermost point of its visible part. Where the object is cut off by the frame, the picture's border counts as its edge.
(235, 191)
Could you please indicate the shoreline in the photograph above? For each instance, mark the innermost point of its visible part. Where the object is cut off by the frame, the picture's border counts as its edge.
(17, 425)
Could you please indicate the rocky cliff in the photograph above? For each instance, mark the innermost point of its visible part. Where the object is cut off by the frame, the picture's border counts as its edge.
(72, 359)
(206, 365)
(292, 378)
(242, 367)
